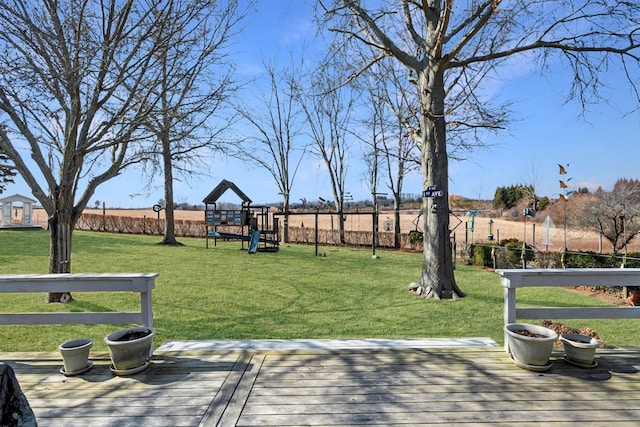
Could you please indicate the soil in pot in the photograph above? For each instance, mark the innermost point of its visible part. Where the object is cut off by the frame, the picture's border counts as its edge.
(130, 349)
(584, 341)
(526, 333)
(530, 345)
(133, 335)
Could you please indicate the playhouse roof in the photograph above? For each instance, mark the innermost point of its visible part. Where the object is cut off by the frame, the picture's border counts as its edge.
(220, 190)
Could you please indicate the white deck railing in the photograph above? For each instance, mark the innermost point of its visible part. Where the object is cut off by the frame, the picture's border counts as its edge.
(142, 283)
(511, 280)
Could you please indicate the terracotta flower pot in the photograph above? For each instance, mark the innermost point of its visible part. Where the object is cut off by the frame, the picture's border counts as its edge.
(634, 298)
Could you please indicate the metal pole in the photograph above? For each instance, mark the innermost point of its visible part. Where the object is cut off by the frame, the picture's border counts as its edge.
(533, 234)
(374, 220)
(624, 232)
(524, 244)
(564, 222)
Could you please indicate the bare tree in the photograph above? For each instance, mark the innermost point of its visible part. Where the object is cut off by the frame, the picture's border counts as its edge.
(400, 155)
(456, 45)
(385, 144)
(276, 147)
(328, 106)
(376, 125)
(75, 83)
(614, 214)
(196, 83)
(399, 162)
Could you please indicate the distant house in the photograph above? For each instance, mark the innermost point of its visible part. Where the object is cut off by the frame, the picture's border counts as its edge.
(17, 210)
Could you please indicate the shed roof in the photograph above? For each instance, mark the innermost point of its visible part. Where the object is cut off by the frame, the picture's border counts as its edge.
(220, 190)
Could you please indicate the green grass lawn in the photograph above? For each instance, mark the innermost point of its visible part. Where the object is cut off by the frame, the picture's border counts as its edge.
(224, 293)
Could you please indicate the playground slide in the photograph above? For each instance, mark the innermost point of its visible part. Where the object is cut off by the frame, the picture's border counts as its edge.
(228, 236)
(253, 244)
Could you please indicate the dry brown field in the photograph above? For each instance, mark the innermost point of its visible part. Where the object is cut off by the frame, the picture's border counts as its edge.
(501, 228)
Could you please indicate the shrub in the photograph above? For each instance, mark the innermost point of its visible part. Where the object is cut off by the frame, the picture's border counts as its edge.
(514, 251)
(481, 255)
(590, 259)
(633, 260)
(415, 236)
(546, 259)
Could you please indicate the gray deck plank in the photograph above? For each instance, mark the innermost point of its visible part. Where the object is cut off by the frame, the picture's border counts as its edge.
(225, 394)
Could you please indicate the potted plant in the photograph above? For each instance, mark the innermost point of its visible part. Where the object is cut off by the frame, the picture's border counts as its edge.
(530, 346)
(130, 349)
(580, 349)
(75, 356)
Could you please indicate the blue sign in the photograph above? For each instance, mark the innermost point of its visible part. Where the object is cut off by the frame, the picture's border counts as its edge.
(433, 191)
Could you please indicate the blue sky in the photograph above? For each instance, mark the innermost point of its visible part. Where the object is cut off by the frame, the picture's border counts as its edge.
(598, 149)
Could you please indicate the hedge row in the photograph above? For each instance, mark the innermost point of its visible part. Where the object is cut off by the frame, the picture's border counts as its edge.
(508, 254)
(186, 228)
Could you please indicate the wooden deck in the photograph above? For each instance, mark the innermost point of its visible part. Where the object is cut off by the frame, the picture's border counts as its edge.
(428, 386)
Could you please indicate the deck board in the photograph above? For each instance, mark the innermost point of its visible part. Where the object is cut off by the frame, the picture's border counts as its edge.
(426, 386)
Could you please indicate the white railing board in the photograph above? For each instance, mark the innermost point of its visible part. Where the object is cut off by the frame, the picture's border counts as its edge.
(80, 318)
(142, 283)
(514, 279)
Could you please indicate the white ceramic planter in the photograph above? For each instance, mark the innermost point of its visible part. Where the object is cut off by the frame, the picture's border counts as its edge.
(130, 356)
(530, 352)
(579, 349)
(75, 356)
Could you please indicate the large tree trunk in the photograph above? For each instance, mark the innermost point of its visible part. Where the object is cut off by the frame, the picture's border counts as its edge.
(169, 237)
(285, 225)
(341, 225)
(438, 280)
(396, 220)
(61, 224)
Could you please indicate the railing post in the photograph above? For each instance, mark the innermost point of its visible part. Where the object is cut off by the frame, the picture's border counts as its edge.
(509, 310)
